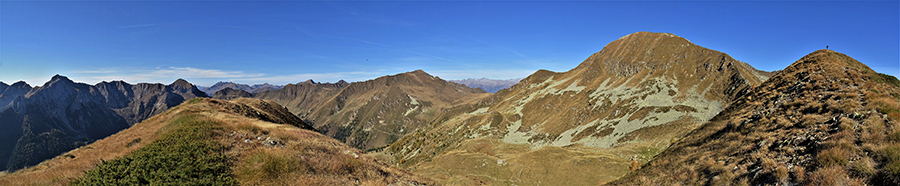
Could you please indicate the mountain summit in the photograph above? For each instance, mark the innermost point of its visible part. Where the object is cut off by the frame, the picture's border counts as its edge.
(629, 100)
(826, 119)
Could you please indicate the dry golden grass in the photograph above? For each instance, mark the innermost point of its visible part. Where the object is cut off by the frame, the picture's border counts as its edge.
(313, 159)
(833, 176)
(485, 161)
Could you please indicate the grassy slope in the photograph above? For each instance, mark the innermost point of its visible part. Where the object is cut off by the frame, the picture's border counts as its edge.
(222, 146)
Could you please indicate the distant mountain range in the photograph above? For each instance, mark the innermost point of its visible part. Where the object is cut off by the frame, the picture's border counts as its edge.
(248, 88)
(37, 123)
(488, 85)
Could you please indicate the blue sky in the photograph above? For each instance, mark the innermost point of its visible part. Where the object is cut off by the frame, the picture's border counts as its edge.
(288, 42)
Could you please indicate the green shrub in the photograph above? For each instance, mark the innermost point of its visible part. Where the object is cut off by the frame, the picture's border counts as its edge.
(186, 155)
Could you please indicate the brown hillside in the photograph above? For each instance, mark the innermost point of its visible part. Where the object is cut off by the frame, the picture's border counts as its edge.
(377, 112)
(630, 100)
(827, 119)
(302, 97)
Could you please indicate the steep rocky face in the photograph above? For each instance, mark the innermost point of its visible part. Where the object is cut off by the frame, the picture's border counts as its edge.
(630, 100)
(488, 85)
(54, 118)
(248, 88)
(62, 115)
(377, 112)
(229, 94)
(9, 93)
(141, 101)
(825, 120)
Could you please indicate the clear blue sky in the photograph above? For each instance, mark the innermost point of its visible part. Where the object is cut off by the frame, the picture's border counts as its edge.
(288, 42)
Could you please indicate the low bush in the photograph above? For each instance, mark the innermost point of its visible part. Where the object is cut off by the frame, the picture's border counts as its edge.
(184, 156)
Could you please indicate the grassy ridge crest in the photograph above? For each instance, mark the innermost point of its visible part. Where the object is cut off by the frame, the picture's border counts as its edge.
(185, 155)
